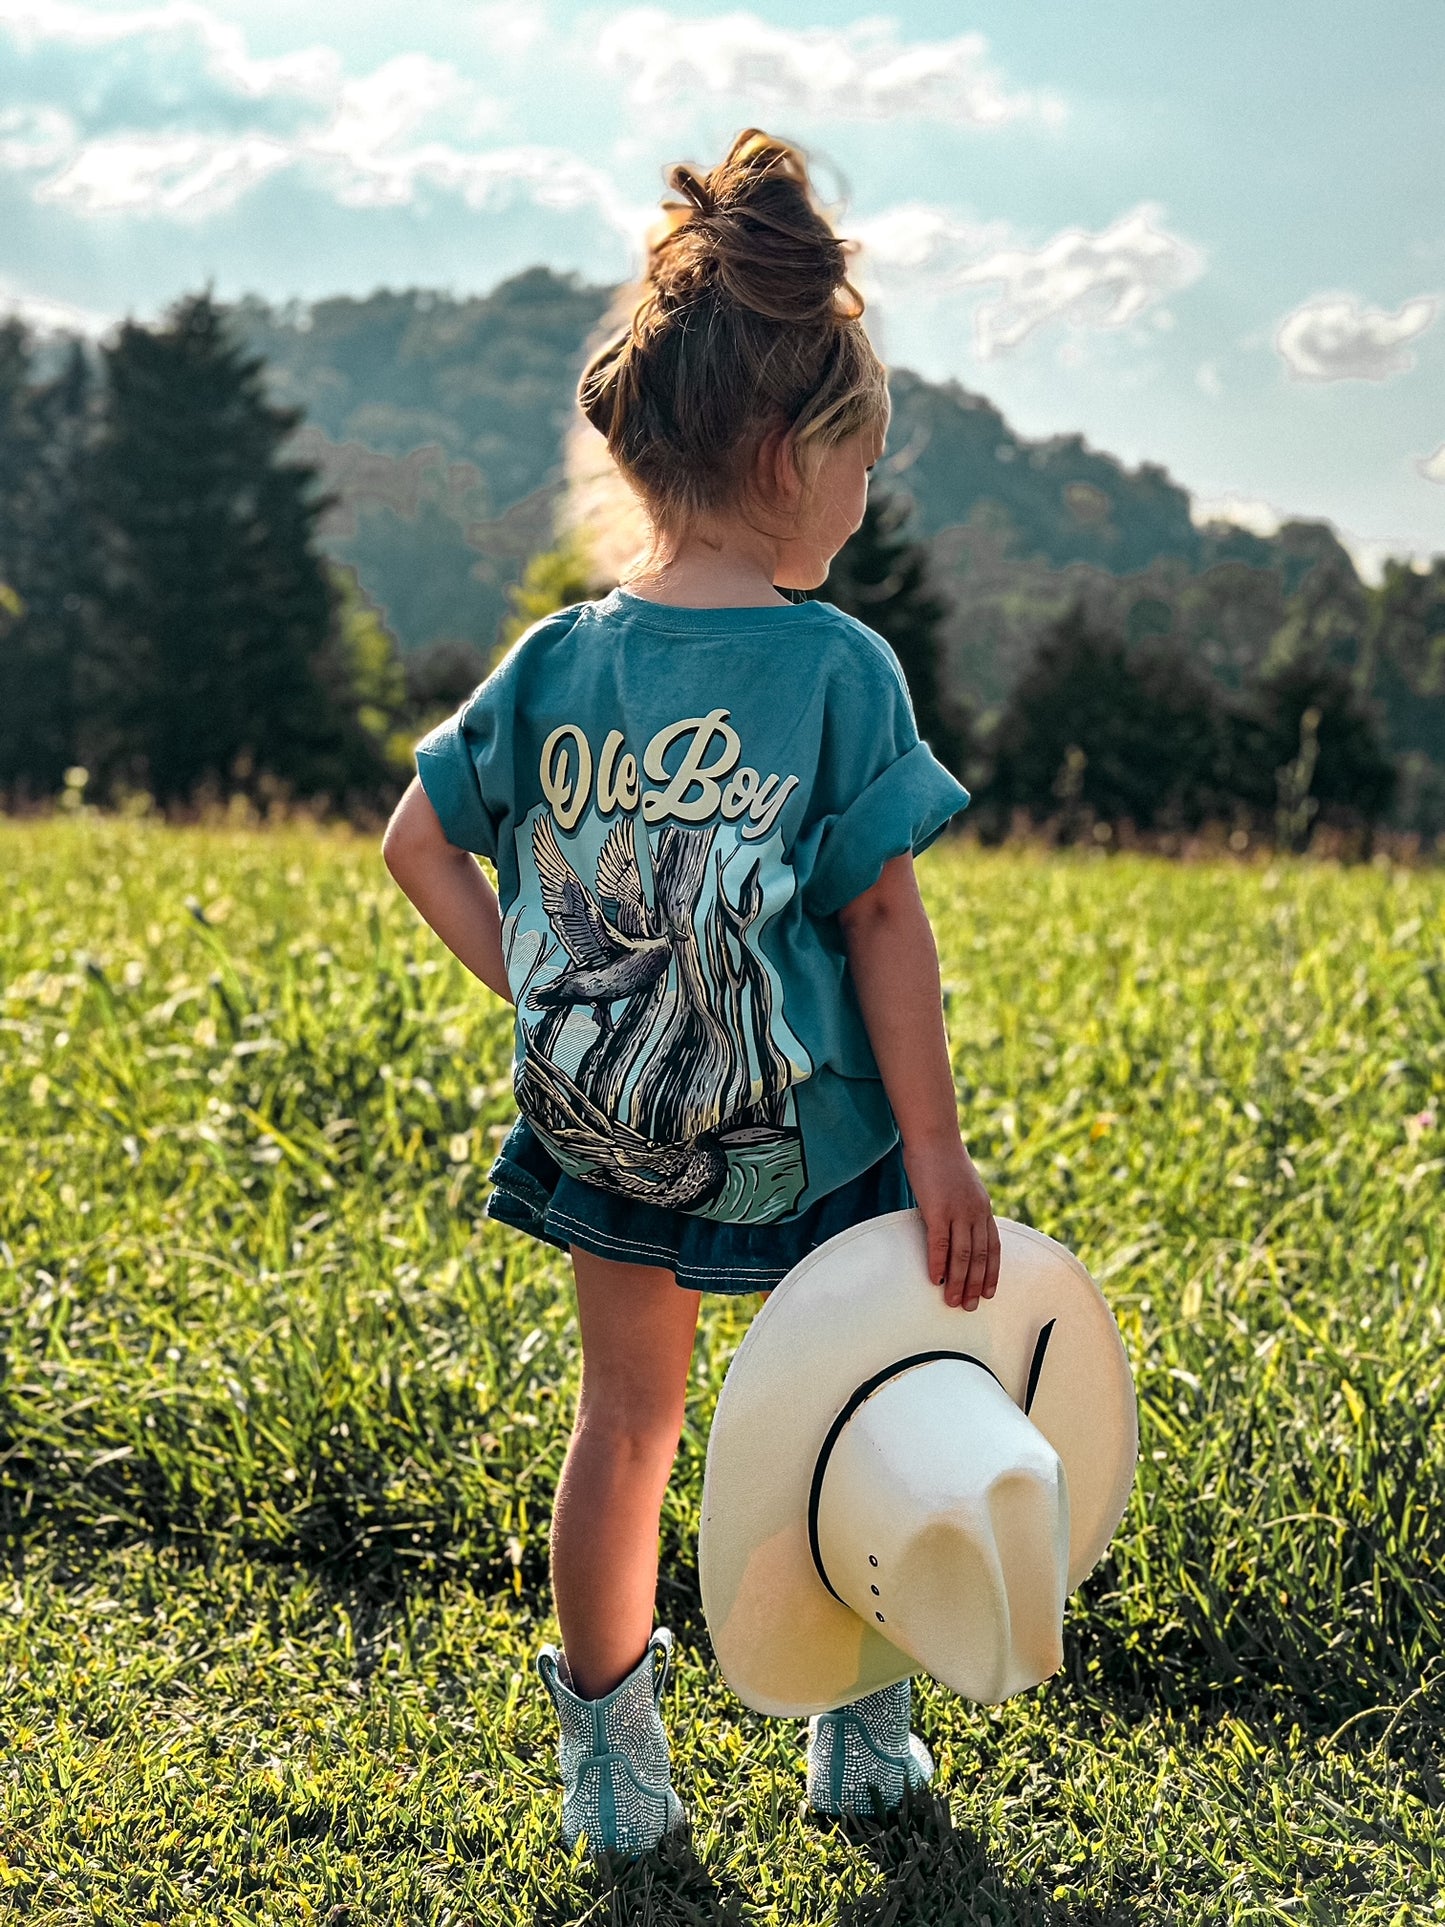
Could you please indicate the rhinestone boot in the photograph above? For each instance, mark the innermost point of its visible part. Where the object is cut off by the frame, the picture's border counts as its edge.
(613, 1752)
(863, 1752)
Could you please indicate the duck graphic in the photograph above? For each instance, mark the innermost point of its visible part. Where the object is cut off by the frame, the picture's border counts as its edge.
(678, 1176)
(650, 1066)
(612, 957)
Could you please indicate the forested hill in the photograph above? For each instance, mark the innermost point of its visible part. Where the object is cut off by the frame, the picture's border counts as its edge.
(1062, 500)
(438, 423)
(487, 380)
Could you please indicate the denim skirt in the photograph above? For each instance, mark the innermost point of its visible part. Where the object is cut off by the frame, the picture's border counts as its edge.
(532, 1193)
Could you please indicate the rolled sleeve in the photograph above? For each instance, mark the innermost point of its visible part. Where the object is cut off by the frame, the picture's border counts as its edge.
(447, 763)
(905, 807)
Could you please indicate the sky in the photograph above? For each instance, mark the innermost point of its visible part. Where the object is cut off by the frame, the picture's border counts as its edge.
(1209, 235)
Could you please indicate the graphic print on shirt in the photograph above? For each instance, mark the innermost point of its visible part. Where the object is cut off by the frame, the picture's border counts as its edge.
(654, 1056)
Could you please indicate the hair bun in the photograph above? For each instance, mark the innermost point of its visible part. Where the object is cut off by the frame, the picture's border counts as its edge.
(744, 323)
(752, 233)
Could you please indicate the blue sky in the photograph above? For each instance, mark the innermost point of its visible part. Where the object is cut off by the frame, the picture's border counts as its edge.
(1206, 235)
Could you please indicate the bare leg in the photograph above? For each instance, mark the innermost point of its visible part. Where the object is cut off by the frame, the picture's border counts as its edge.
(637, 1331)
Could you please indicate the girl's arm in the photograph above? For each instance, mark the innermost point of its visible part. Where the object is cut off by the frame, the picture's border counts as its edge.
(894, 962)
(447, 886)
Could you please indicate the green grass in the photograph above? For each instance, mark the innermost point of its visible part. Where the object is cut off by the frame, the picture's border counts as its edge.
(280, 1415)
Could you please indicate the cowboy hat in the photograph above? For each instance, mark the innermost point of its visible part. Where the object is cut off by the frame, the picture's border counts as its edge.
(894, 1485)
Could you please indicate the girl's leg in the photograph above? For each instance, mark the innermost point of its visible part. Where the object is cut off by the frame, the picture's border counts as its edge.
(637, 1332)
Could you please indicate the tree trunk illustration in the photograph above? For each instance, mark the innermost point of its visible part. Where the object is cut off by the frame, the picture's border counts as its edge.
(677, 1093)
(727, 982)
(774, 1070)
(609, 1059)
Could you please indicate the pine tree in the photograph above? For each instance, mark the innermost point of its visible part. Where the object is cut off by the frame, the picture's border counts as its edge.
(219, 616)
(884, 579)
(46, 429)
(1095, 729)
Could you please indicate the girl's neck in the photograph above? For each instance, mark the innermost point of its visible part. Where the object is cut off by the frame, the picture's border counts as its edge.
(726, 568)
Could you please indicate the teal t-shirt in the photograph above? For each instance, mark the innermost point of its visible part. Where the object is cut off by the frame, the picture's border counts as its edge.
(678, 802)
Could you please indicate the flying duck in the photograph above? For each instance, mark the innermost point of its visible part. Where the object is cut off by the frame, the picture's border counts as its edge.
(612, 957)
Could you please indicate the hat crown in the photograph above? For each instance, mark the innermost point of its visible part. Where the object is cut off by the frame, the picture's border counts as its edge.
(942, 1519)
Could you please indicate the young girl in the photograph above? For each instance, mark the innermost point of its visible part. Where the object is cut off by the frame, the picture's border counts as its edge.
(702, 799)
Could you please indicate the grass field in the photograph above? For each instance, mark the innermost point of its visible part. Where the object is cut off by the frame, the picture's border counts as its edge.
(280, 1415)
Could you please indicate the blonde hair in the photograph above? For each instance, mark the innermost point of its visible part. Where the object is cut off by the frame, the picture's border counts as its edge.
(744, 323)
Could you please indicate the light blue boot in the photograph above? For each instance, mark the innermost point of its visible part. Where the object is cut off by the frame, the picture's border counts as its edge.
(613, 1752)
(865, 1749)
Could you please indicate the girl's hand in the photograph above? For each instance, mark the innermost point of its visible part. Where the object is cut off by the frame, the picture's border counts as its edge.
(963, 1240)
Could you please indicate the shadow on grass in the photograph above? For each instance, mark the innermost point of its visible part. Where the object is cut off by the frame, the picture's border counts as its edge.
(668, 1888)
(349, 1529)
(937, 1875)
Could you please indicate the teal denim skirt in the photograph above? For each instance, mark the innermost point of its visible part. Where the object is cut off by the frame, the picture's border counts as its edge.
(532, 1193)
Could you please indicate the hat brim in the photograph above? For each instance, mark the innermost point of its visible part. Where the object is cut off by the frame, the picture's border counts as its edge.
(857, 1304)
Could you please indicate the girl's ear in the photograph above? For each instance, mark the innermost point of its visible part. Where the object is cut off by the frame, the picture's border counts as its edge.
(778, 472)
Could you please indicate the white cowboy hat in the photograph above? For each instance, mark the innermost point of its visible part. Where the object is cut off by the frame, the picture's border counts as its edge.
(896, 1485)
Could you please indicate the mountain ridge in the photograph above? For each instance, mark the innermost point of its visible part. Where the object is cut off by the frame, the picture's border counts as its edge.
(437, 421)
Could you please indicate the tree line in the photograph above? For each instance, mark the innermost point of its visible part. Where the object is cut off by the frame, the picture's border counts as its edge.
(170, 625)
(1099, 730)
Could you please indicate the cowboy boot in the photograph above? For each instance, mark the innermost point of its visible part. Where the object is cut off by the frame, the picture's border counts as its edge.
(863, 1753)
(613, 1752)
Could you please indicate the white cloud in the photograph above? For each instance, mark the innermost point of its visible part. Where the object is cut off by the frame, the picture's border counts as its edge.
(33, 138)
(508, 29)
(1266, 519)
(1243, 511)
(1337, 338)
(175, 24)
(1099, 280)
(1432, 467)
(547, 177)
(383, 107)
(373, 114)
(860, 72)
(164, 173)
(918, 240)
(1370, 553)
(47, 316)
(194, 175)
(163, 110)
(1207, 377)
(70, 76)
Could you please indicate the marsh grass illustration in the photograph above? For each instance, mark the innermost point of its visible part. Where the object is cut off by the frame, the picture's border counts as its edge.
(280, 1415)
